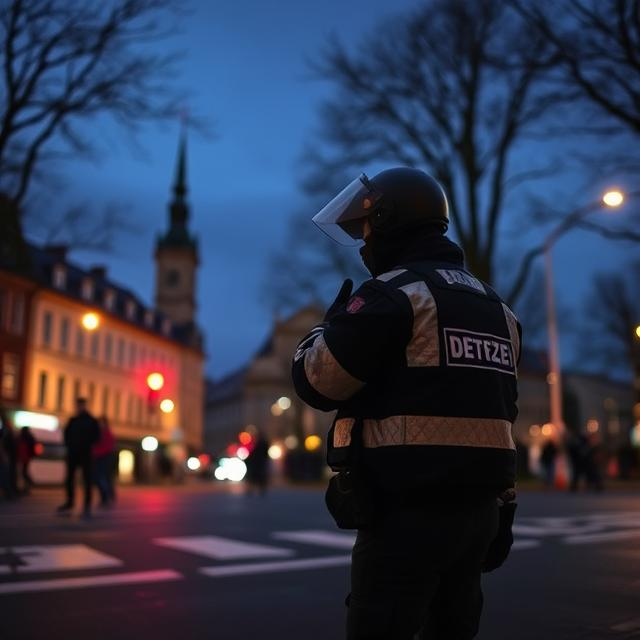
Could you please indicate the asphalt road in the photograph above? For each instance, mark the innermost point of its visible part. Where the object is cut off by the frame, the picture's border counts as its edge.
(210, 562)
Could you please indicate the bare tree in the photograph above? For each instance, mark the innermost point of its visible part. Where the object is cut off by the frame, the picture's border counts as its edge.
(611, 321)
(453, 87)
(597, 43)
(66, 64)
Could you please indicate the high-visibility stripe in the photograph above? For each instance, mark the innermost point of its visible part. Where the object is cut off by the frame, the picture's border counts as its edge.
(427, 430)
(390, 275)
(424, 348)
(512, 324)
(437, 430)
(326, 375)
(342, 432)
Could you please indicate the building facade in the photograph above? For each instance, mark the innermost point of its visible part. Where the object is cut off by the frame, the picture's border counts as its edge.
(86, 336)
(248, 398)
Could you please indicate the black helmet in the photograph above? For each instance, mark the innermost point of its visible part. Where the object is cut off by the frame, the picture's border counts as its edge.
(393, 200)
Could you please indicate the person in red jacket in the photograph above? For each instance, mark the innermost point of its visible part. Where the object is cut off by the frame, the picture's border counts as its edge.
(103, 462)
(26, 450)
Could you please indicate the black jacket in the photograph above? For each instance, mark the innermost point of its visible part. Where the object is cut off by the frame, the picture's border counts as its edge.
(424, 357)
(81, 433)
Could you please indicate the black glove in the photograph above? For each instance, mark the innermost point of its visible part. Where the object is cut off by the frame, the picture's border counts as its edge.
(341, 299)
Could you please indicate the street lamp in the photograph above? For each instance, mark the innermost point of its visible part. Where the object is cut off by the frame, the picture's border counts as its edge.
(90, 321)
(611, 198)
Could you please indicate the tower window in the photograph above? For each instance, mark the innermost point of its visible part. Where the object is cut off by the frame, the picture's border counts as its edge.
(109, 299)
(172, 278)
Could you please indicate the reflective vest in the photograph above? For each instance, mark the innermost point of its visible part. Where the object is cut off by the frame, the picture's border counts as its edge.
(424, 358)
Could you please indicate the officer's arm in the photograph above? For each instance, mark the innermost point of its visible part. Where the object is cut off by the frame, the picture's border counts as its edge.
(340, 356)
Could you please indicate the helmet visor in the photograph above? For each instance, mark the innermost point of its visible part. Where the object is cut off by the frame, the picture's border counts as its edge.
(343, 218)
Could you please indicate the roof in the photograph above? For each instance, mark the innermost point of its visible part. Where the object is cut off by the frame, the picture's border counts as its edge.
(43, 264)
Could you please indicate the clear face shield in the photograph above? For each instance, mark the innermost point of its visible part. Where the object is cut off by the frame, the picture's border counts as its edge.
(344, 217)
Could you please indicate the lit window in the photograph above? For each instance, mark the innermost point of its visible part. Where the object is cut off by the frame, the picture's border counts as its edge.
(121, 352)
(17, 314)
(59, 276)
(105, 401)
(148, 318)
(87, 288)
(91, 395)
(132, 354)
(108, 347)
(64, 334)
(95, 345)
(47, 327)
(116, 406)
(80, 342)
(109, 299)
(42, 389)
(10, 375)
(76, 389)
(60, 394)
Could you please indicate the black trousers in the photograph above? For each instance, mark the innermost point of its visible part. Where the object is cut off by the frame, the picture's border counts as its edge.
(84, 463)
(417, 570)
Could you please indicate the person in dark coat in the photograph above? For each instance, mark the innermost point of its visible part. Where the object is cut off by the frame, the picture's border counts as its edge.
(258, 465)
(577, 447)
(80, 434)
(8, 457)
(26, 451)
(548, 461)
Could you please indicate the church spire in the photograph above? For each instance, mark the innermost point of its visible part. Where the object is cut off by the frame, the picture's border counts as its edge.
(180, 186)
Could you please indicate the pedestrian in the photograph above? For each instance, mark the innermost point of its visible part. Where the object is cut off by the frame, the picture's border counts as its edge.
(548, 458)
(258, 463)
(9, 463)
(80, 434)
(420, 364)
(595, 461)
(577, 448)
(102, 452)
(26, 451)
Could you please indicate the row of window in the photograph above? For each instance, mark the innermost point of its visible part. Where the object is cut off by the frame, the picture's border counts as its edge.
(12, 311)
(54, 394)
(105, 348)
(10, 381)
(109, 299)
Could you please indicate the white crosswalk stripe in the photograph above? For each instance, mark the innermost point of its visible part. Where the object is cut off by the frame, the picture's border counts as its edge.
(318, 537)
(61, 557)
(222, 548)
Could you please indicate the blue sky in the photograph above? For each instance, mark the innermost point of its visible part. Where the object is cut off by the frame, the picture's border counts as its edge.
(245, 68)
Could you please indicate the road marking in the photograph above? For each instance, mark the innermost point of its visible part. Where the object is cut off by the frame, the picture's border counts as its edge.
(63, 557)
(318, 537)
(603, 537)
(222, 548)
(518, 545)
(273, 567)
(162, 575)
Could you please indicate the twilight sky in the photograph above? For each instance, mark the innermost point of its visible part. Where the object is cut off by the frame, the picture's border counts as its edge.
(245, 67)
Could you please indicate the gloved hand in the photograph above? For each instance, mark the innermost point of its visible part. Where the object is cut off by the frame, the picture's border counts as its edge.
(341, 299)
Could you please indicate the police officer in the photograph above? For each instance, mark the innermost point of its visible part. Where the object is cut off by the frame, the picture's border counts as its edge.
(420, 364)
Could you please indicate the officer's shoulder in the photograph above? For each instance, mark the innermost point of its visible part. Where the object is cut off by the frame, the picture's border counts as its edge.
(387, 286)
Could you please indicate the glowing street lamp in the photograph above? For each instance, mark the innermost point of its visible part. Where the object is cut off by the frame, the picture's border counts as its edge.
(613, 198)
(167, 405)
(90, 321)
(638, 331)
(149, 444)
(155, 381)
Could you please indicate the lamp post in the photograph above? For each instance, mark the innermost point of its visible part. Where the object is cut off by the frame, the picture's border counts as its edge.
(611, 199)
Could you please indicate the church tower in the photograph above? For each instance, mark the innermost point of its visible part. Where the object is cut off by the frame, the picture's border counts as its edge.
(177, 253)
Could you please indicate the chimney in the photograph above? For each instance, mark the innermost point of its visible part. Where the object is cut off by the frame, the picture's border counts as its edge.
(98, 272)
(58, 251)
